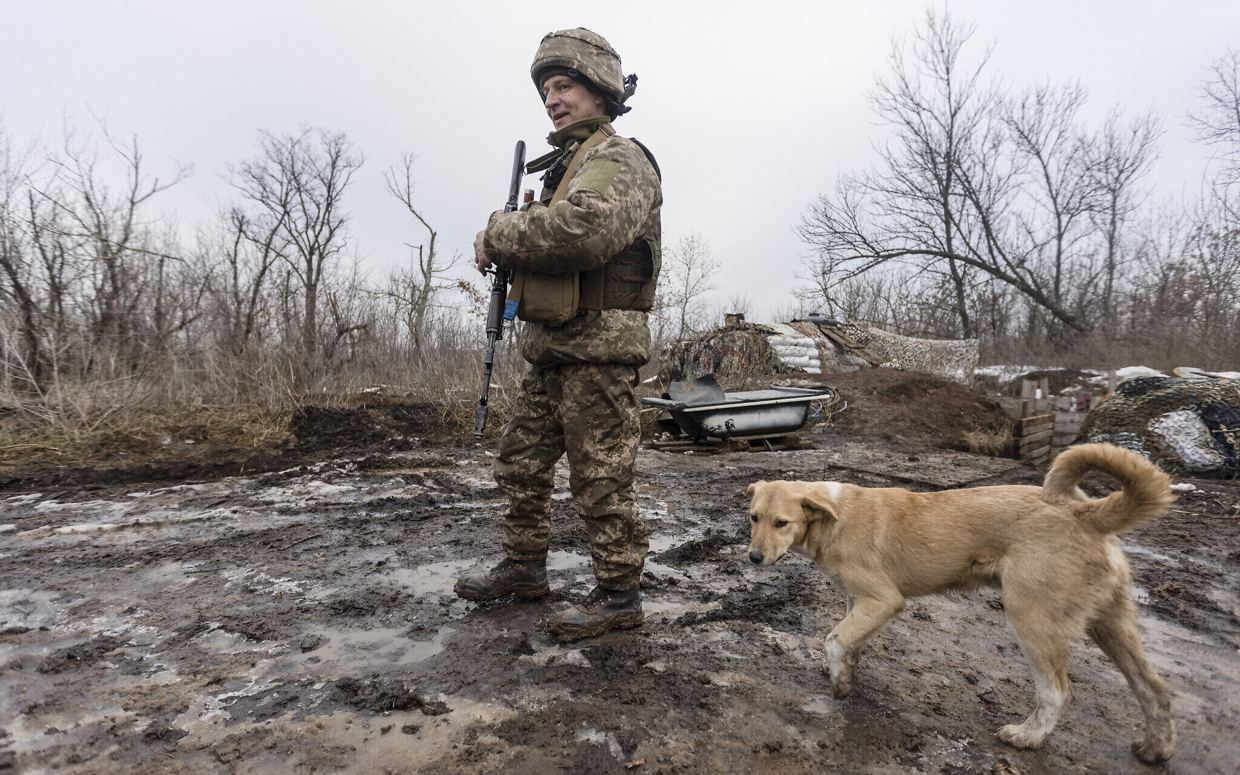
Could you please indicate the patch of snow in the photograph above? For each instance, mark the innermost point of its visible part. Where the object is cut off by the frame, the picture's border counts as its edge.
(1132, 372)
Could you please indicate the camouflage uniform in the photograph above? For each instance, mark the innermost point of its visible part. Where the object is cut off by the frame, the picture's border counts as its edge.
(578, 392)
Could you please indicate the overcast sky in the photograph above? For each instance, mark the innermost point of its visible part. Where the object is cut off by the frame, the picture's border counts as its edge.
(752, 108)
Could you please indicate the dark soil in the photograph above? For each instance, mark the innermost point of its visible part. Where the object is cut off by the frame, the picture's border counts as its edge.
(898, 405)
(302, 620)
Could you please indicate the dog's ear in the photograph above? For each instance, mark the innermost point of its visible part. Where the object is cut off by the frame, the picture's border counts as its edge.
(753, 486)
(817, 506)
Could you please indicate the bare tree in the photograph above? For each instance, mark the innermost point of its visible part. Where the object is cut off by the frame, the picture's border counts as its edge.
(1054, 156)
(973, 188)
(416, 290)
(104, 229)
(936, 105)
(252, 245)
(1120, 158)
(82, 260)
(687, 275)
(1218, 122)
(27, 363)
(298, 181)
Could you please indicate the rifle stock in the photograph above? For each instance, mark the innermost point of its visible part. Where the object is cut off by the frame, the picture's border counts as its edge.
(497, 309)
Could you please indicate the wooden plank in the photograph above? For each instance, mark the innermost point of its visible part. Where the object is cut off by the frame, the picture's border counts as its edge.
(1042, 417)
(1030, 438)
(1031, 424)
(1037, 455)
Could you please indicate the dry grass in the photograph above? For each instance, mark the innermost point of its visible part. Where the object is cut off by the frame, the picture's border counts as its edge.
(995, 442)
(195, 419)
(137, 435)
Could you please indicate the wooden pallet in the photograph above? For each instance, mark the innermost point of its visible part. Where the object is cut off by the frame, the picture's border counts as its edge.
(762, 443)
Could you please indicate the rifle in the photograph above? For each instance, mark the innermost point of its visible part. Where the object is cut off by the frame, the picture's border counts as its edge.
(499, 308)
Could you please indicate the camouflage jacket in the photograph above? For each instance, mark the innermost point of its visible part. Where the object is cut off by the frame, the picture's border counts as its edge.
(613, 201)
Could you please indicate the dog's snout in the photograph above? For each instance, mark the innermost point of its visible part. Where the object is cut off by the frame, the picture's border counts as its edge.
(755, 556)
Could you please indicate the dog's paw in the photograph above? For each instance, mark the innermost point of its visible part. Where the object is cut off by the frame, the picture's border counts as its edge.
(838, 667)
(1152, 751)
(840, 678)
(1017, 736)
(841, 689)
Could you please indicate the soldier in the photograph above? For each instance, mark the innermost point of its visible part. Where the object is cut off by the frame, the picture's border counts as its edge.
(586, 259)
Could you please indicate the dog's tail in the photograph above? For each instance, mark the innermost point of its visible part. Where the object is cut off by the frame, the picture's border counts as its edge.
(1144, 494)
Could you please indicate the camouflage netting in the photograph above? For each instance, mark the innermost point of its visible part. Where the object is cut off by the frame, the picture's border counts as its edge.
(953, 359)
(1190, 425)
(742, 352)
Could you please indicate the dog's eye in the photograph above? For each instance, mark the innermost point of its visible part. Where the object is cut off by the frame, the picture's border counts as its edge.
(781, 523)
(753, 518)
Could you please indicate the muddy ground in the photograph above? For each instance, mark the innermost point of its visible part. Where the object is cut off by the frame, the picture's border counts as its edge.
(302, 620)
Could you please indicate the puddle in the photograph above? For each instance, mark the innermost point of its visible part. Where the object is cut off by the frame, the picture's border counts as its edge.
(168, 574)
(390, 645)
(560, 560)
(434, 578)
(821, 705)
(438, 578)
(29, 609)
(661, 542)
(672, 609)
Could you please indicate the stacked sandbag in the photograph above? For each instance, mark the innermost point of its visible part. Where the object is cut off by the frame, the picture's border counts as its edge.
(795, 350)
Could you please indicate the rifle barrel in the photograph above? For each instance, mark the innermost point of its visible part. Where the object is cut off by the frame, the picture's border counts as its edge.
(499, 293)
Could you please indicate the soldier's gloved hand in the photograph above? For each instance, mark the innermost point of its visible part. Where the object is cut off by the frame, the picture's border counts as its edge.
(481, 260)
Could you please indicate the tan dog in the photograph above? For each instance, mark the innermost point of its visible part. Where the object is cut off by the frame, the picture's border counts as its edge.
(1052, 550)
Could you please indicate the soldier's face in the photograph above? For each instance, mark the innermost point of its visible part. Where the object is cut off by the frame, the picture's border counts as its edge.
(567, 101)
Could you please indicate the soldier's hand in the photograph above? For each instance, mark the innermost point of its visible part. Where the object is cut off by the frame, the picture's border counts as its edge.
(480, 254)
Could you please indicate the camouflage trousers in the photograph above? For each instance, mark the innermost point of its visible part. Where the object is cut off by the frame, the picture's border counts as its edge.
(589, 411)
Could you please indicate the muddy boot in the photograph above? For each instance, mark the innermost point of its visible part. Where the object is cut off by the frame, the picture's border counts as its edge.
(603, 610)
(526, 579)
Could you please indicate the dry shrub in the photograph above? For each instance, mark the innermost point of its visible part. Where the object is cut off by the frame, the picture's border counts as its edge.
(995, 442)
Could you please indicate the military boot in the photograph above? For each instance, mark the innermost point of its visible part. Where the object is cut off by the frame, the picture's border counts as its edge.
(603, 610)
(526, 579)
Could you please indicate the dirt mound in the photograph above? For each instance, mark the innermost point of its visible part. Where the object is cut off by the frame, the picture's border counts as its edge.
(334, 427)
(898, 405)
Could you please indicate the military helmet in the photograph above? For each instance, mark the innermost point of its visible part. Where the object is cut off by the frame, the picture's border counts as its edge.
(588, 55)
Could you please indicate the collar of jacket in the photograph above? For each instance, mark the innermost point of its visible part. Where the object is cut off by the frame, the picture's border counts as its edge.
(566, 140)
(576, 132)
